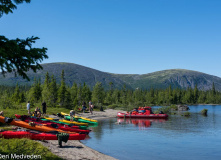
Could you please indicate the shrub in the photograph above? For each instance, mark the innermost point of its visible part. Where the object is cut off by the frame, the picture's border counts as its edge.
(113, 106)
(174, 107)
(186, 114)
(76, 108)
(165, 110)
(204, 112)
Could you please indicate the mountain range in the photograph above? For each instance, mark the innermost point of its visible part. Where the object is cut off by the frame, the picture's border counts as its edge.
(180, 78)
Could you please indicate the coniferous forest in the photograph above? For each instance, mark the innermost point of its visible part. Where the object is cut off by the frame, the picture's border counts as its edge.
(61, 95)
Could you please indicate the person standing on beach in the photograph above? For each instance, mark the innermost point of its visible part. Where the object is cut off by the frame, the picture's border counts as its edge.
(28, 107)
(84, 107)
(72, 114)
(44, 107)
(91, 107)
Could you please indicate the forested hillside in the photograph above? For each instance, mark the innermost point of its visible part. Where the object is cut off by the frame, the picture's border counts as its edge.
(176, 78)
(62, 95)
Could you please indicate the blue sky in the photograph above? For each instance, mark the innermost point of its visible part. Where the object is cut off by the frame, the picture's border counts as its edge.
(123, 36)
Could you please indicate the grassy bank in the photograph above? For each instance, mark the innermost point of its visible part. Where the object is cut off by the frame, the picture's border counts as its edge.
(10, 112)
(25, 147)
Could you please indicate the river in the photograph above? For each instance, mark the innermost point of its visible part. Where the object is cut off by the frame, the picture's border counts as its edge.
(194, 138)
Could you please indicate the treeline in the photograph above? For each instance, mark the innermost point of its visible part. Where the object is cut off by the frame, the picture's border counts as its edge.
(55, 95)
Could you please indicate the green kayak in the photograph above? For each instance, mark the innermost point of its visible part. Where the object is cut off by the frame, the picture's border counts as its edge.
(80, 127)
(81, 120)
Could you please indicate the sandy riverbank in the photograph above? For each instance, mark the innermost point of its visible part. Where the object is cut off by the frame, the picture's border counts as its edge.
(75, 149)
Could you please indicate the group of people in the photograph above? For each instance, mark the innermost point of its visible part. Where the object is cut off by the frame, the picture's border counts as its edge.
(37, 112)
(84, 107)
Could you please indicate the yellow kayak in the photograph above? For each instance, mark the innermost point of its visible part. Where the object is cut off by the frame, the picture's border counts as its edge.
(92, 120)
(76, 123)
(65, 114)
(51, 119)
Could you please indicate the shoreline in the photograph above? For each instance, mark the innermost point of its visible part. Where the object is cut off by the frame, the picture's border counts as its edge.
(76, 149)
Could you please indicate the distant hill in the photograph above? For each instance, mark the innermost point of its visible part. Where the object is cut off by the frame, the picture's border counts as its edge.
(73, 73)
(175, 77)
(76, 73)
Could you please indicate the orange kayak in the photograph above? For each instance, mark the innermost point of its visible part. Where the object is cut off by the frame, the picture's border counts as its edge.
(36, 127)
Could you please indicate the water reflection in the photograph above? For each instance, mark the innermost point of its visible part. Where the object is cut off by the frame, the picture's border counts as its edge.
(141, 123)
(195, 137)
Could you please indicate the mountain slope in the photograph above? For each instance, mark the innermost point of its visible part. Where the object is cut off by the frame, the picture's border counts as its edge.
(175, 77)
(73, 73)
(162, 79)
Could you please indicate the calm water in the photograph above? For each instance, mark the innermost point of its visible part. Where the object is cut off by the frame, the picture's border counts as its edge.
(194, 138)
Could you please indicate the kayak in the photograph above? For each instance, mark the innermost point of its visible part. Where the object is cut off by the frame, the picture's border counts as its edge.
(79, 119)
(141, 115)
(32, 126)
(38, 136)
(71, 125)
(72, 122)
(76, 123)
(62, 126)
(58, 126)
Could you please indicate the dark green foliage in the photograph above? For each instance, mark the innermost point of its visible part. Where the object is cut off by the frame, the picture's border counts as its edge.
(64, 96)
(204, 112)
(7, 6)
(18, 55)
(174, 107)
(98, 93)
(35, 93)
(166, 110)
(53, 89)
(186, 114)
(113, 106)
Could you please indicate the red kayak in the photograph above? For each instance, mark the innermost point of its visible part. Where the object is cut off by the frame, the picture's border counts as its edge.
(53, 124)
(38, 136)
(24, 117)
(59, 126)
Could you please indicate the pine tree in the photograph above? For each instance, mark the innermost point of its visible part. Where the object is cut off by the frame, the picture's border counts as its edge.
(213, 94)
(130, 97)
(18, 55)
(74, 93)
(62, 91)
(86, 93)
(22, 97)
(196, 94)
(35, 92)
(79, 95)
(108, 95)
(64, 96)
(98, 93)
(116, 96)
(123, 96)
(53, 92)
(16, 95)
(46, 95)
(213, 89)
